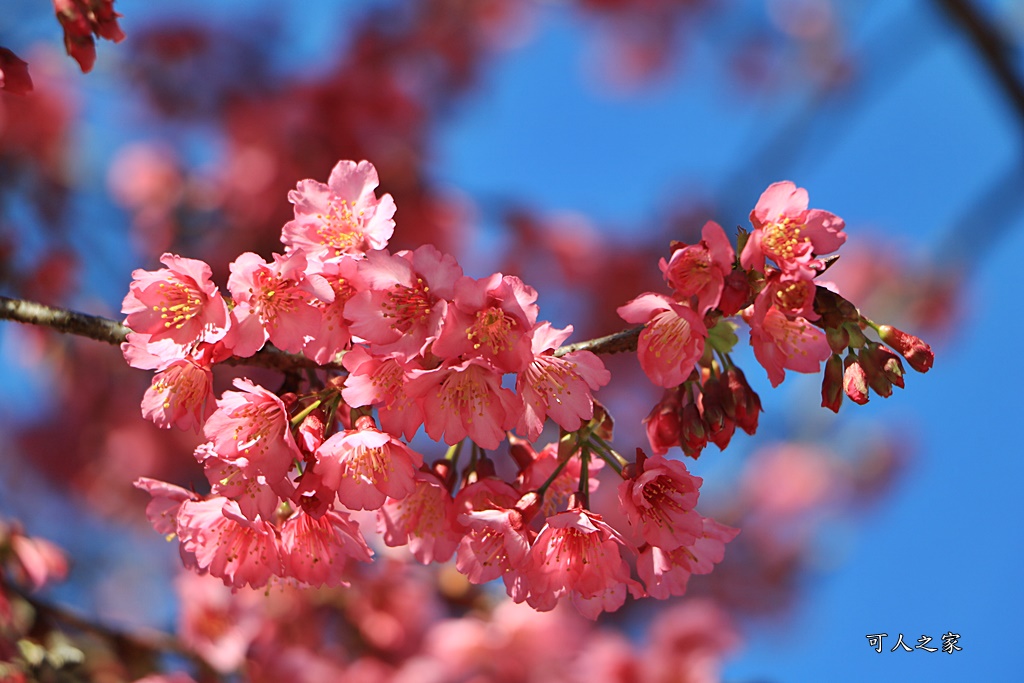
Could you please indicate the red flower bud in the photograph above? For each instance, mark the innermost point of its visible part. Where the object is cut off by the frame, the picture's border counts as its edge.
(917, 353)
(832, 384)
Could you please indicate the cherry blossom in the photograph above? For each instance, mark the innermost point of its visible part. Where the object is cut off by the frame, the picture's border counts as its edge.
(659, 503)
(559, 387)
(578, 555)
(699, 270)
(342, 217)
(251, 425)
(364, 466)
(275, 301)
(179, 303)
(789, 233)
(673, 340)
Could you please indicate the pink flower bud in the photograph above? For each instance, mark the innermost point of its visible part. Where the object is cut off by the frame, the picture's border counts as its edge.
(855, 381)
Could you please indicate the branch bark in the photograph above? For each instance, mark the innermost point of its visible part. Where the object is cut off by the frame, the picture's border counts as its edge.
(113, 332)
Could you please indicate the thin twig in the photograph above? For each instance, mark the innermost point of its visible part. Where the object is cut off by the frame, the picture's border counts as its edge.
(113, 332)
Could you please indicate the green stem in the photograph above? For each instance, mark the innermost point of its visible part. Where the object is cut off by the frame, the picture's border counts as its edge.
(304, 413)
(584, 489)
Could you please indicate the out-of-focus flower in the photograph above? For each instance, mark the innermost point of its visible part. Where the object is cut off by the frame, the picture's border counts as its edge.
(14, 76)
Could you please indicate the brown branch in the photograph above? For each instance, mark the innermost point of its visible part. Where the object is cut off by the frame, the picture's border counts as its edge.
(992, 46)
(140, 638)
(613, 343)
(113, 332)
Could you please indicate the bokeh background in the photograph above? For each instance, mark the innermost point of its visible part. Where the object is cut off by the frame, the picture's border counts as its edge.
(567, 142)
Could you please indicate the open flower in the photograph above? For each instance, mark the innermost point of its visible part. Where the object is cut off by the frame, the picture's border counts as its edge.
(673, 340)
(789, 233)
(343, 217)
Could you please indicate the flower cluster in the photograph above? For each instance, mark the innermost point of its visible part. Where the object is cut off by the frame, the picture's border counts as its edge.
(795, 324)
(399, 341)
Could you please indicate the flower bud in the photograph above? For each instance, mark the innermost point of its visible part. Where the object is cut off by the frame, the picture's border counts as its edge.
(917, 353)
(694, 432)
(855, 381)
(663, 427)
(832, 384)
(747, 402)
(838, 338)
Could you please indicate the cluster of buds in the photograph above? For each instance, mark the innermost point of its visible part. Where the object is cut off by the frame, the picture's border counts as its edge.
(868, 364)
(795, 324)
(398, 341)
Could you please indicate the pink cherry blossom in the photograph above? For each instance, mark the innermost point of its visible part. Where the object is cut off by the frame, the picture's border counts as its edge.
(490, 318)
(218, 539)
(316, 550)
(35, 560)
(382, 382)
(275, 301)
(791, 295)
(333, 335)
(667, 572)
(659, 503)
(424, 520)
(166, 499)
(466, 399)
(364, 466)
(557, 386)
(254, 495)
(217, 623)
(178, 303)
(180, 396)
(495, 545)
(406, 299)
(789, 233)
(342, 217)
(699, 270)
(781, 343)
(673, 340)
(252, 425)
(577, 554)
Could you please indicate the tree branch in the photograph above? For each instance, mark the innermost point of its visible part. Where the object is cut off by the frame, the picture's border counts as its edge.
(113, 332)
(992, 46)
(613, 343)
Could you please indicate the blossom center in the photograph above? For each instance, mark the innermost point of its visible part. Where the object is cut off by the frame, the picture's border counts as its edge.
(464, 395)
(694, 270)
(409, 306)
(783, 240)
(793, 295)
(180, 303)
(340, 229)
(491, 329)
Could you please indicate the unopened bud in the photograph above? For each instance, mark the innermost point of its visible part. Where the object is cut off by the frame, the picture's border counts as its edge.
(832, 384)
(529, 505)
(855, 381)
(663, 423)
(917, 353)
(694, 434)
(873, 371)
(887, 363)
(838, 338)
(747, 402)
